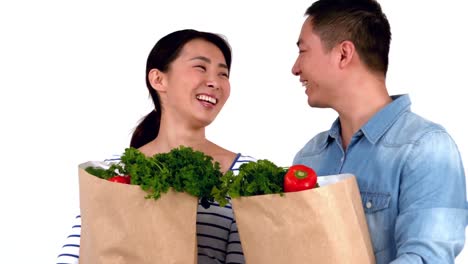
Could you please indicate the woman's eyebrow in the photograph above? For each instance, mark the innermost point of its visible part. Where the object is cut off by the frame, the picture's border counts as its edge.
(207, 60)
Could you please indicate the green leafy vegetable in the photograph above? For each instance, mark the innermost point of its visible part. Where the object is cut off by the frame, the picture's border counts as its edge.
(254, 178)
(193, 172)
(100, 172)
(183, 169)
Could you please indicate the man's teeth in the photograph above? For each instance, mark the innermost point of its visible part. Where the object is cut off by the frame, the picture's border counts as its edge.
(304, 83)
(207, 99)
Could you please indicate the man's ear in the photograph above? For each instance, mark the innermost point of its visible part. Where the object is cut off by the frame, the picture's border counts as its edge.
(157, 80)
(347, 52)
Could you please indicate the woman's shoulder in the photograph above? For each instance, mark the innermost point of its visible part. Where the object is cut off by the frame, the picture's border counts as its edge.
(113, 158)
(241, 159)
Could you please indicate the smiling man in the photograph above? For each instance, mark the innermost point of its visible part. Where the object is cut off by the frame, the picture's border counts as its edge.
(409, 169)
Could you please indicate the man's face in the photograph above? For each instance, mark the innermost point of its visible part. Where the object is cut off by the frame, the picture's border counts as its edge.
(314, 66)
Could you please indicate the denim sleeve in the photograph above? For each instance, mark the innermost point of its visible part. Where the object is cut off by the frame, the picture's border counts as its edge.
(430, 227)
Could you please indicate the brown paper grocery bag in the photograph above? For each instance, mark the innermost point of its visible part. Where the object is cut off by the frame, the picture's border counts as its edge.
(322, 225)
(118, 225)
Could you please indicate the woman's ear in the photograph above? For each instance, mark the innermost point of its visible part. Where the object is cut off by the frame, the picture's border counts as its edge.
(157, 80)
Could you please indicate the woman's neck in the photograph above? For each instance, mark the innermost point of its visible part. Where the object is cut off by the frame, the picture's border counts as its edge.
(175, 134)
(197, 141)
(170, 137)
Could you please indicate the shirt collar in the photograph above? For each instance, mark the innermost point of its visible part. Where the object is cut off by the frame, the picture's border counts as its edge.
(381, 121)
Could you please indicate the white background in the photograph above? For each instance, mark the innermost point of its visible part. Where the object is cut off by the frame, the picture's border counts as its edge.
(72, 89)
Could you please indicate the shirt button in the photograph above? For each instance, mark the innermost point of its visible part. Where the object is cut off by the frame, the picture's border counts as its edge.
(369, 205)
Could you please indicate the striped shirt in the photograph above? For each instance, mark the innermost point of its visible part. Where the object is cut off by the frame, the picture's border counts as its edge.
(217, 235)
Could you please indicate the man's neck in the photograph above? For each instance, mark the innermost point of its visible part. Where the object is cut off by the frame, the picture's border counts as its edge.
(360, 106)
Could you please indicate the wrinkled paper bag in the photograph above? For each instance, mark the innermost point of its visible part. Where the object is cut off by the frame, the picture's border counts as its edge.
(118, 225)
(322, 225)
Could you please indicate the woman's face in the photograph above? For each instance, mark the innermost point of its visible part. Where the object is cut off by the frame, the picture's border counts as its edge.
(196, 85)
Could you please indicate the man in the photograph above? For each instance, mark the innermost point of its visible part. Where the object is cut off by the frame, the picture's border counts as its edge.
(409, 169)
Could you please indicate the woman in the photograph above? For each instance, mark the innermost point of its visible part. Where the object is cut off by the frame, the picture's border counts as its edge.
(187, 75)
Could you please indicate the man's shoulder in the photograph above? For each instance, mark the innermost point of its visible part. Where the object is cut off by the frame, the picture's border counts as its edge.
(411, 127)
(315, 144)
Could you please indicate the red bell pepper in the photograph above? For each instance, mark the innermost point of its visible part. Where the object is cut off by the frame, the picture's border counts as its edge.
(299, 177)
(120, 179)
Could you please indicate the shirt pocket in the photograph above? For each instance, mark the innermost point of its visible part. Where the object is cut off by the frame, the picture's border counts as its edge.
(376, 207)
(374, 202)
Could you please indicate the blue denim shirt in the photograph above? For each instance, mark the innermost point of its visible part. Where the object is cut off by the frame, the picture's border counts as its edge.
(411, 180)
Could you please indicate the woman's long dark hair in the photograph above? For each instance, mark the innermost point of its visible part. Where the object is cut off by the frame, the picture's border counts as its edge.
(166, 50)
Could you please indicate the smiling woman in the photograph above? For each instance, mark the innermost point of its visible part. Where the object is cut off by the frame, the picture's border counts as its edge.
(203, 90)
(187, 76)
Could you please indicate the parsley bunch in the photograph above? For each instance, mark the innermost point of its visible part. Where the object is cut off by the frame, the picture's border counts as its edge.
(183, 169)
(195, 173)
(254, 178)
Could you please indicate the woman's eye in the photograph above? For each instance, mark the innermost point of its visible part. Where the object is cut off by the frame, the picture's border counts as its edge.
(201, 67)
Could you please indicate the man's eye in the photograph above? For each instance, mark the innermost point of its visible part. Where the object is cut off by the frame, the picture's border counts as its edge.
(224, 74)
(201, 67)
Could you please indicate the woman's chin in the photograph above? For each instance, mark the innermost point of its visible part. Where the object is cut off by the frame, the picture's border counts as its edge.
(204, 121)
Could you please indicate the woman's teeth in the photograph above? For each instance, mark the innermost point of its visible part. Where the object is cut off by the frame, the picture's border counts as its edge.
(208, 99)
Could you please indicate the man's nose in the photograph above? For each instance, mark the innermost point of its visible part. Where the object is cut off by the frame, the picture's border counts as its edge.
(295, 69)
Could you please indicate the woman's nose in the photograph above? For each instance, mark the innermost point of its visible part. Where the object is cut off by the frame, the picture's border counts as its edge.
(212, 84)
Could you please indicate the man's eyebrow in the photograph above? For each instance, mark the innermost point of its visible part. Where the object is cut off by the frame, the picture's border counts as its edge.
(207, 60)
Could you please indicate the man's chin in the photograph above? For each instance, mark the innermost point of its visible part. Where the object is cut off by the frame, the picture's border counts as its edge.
(315, 104)
(312, 102)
